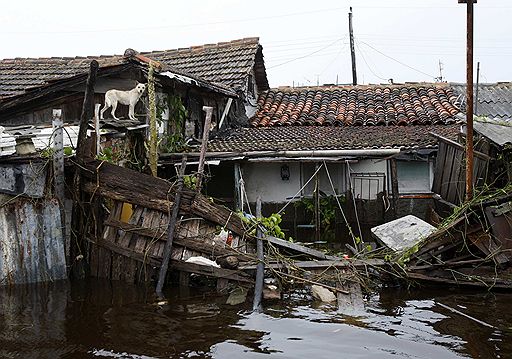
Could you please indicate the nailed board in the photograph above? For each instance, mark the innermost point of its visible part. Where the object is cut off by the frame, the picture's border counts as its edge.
(402, 233)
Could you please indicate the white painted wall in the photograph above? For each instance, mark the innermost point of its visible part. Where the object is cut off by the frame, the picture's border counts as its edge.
(264, 179)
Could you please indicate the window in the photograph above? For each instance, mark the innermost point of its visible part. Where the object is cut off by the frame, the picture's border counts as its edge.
(413, 176)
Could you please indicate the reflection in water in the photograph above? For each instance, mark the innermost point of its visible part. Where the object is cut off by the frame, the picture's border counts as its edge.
(102, 319)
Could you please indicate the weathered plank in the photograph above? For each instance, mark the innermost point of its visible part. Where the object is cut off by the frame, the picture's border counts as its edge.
(298, 248)
(340, 263)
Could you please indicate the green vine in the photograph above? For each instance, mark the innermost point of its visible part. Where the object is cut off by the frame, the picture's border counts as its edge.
(270, 223)
(174, 141)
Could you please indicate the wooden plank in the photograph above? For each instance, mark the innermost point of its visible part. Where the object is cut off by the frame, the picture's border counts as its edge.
(438, 174)
(196, 244)
(456, 176)
(487, 245)
(341, 263)
(180, 265)
(350, 297)
(447, 171)
(298, 248)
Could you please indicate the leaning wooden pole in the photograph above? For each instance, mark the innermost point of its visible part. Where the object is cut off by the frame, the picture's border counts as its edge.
(204, 146)
(87, 113)
(87, 108)
(469, 101)
(170, 230)
(260, 268)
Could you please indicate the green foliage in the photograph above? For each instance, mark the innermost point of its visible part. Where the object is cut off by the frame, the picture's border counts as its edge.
(270, 223)
(68, 151)
(174, 141)
(328, 207)
(190, 181)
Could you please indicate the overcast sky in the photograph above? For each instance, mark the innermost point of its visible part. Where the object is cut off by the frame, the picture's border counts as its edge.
(304, 42)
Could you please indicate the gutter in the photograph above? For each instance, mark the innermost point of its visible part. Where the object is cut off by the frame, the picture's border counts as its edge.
(372, 152)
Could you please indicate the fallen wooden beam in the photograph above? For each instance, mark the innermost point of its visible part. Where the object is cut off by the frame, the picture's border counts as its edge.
(298, 248)
(154, 261)
(194, 243)
(339, 263)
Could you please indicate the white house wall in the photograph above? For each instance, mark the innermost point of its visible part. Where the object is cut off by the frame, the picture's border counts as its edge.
(264, 180)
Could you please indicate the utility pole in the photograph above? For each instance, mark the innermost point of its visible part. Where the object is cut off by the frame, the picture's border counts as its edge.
(469, 98)
(352, 49)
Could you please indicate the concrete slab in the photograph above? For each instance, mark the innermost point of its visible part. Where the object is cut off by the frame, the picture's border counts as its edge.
(402, 233)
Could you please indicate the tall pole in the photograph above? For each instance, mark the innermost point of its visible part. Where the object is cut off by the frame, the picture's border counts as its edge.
(352, 49)
(469, 99)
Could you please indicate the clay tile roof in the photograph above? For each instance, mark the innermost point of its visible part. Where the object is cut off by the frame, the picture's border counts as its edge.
(305, 138)
(20, 74)
(371, 105)
(225, 64)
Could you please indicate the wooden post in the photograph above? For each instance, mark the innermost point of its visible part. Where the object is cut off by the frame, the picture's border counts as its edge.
(316, 199)
(153, 132)
(204, 146)
(58, 156)
(77, 219)
(394, 185)
(97, 127)
(260, 268)
(87, 108)
(170, 230)
(238, 193)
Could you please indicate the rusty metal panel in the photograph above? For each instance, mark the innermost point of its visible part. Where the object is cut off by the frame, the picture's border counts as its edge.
(28, 179)
(500, 220)
(31, 242)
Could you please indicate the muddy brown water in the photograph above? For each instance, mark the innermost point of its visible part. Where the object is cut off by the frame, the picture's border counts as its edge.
(102, 319)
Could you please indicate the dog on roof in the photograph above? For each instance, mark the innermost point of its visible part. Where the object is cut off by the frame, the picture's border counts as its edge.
(130, 98)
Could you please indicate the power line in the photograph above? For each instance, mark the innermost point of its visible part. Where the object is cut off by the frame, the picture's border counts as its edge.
(367, 65)
(397, 61)
(304, 56)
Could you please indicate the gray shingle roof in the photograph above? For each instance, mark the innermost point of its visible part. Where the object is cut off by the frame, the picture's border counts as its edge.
(225, 64)
(290, 138)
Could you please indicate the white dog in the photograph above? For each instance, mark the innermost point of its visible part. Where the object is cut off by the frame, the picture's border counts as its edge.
(130, 98)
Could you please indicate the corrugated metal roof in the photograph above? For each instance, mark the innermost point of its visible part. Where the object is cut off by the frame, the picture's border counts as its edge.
(494, 99)
(498, 131)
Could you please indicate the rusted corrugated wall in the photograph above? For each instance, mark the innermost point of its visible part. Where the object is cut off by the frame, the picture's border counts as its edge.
(31, 242)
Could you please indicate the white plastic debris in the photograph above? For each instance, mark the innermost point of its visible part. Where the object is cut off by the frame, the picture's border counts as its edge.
(202, 261)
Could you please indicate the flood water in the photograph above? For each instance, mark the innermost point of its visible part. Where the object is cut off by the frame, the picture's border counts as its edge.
(103, 319)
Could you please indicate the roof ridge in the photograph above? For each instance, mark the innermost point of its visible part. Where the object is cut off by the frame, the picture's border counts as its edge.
(350, 86)
(67, 58)
(218, 45)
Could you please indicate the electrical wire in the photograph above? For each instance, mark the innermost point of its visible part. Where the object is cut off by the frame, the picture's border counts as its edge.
(397, 61)
(366, 62)
(304, 56)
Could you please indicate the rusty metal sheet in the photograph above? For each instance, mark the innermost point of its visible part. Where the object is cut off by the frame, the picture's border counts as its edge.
(500, 220)
(31, 242)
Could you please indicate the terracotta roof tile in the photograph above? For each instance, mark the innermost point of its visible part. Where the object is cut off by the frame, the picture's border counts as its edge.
(331, 138)
(372, 105)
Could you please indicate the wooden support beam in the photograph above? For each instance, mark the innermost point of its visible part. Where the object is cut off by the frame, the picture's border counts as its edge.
(87, 108)
(260, 267)
(204, 146)
(300, 249)
(310, 265)
(170, 231)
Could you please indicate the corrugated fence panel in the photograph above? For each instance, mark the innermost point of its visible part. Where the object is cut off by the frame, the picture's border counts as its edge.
(31, 242)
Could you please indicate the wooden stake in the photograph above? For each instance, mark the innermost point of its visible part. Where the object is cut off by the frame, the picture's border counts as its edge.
(170, 230)
(260, 268)
(204, 146)
(87, 108)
